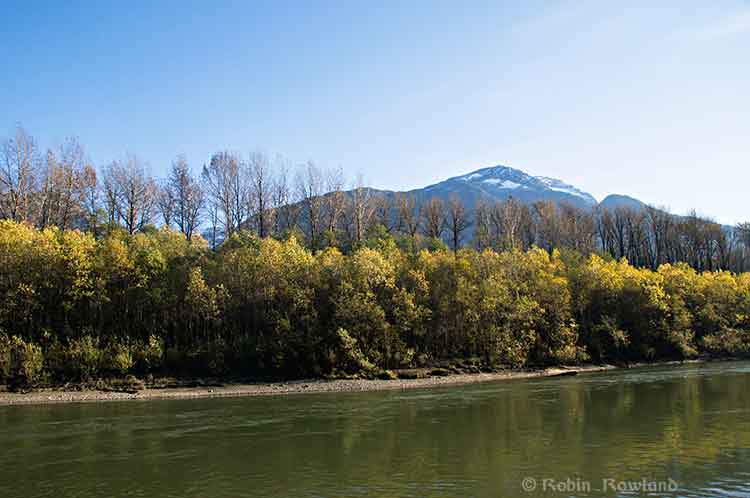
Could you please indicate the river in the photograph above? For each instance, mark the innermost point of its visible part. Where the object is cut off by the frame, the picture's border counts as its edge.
(655, 431)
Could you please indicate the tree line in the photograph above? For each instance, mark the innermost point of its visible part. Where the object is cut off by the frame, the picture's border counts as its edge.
(231, 193)
(76, 307)
(258, 272)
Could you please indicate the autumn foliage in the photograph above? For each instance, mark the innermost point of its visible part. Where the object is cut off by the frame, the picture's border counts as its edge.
(77, 307)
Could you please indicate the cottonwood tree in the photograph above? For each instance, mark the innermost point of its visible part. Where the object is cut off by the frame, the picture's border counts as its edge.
(602, 223)
(309, 183)
(334, 200)
(383, 211)
(133, 193)
(261, 190)
(458, 221)
(60, 197)
(214, 222)
(482, 224)
(433, 218)
(285, 207)
(361, 210)
(507, 221)
(621, 222)
(407, 217)
(577, 227)
(547, 225)
(110, 193)
(225, 185)
(20, 159)
(90, 194)
(165, 203)
(742, 233)
(187, 197)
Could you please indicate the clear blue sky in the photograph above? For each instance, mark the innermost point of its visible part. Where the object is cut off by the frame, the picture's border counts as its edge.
(647, 100)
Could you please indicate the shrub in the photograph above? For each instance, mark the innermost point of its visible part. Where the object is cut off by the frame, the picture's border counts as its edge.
(348, 355)
(149, 357)
(117, 358)
(21, 363)
(727, 342)
(83, 358)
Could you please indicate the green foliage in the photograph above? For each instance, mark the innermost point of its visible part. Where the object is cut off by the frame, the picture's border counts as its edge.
(76, 308)
(727, 342)
(149, 356)
(82, 358)
(348, 357)
(117, 358)
(21, 363)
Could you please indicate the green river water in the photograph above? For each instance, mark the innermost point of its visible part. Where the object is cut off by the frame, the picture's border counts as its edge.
(677, 431)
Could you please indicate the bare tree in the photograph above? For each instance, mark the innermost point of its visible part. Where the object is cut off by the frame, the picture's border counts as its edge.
(310, 190)
(213, 218)
(285, 208)
(110, 192)
(482, 224)
(60, 196)
(20, 158)
(619, 231)
(603, 223)
(90, 193)
(507, 221)
(226, 188)
(458, 221)
(577, 227)
(742, 234)
(660, 223)
(407, 219)
(547, 223)
(165, 203)
(383, 211)
(261, 183)
(187, 197)
(361, 210)
(433, 218)
(334, 200)
(134, 193)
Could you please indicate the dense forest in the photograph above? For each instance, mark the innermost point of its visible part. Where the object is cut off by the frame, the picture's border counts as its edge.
(248, 270)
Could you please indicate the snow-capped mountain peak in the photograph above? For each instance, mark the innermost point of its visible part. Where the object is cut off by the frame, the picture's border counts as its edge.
(503, 181)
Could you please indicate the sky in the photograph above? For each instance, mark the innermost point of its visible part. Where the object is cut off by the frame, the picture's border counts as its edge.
(648, 99)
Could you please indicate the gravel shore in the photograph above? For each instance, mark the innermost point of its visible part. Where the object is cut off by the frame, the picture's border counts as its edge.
(45, 396)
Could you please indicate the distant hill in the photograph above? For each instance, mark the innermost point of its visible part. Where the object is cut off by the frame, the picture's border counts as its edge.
(614, 201)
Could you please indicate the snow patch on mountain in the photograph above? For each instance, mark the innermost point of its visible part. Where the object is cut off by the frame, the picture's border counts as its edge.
(560, 186)
(506, 184)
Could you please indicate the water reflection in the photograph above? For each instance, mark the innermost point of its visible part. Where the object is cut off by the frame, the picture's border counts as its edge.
(690, 424)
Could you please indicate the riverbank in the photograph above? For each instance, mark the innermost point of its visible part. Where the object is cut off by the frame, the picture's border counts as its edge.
(48, 396)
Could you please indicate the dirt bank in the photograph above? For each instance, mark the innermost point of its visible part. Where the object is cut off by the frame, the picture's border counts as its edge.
(44, 396)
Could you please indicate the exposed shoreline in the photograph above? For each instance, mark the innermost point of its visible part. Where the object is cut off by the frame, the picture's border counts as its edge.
(53, 396)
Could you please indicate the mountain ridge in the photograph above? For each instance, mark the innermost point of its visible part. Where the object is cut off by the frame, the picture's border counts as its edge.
(500, 182)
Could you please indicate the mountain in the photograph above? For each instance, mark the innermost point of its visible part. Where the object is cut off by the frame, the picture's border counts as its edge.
(615, 201)
(499, 183)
